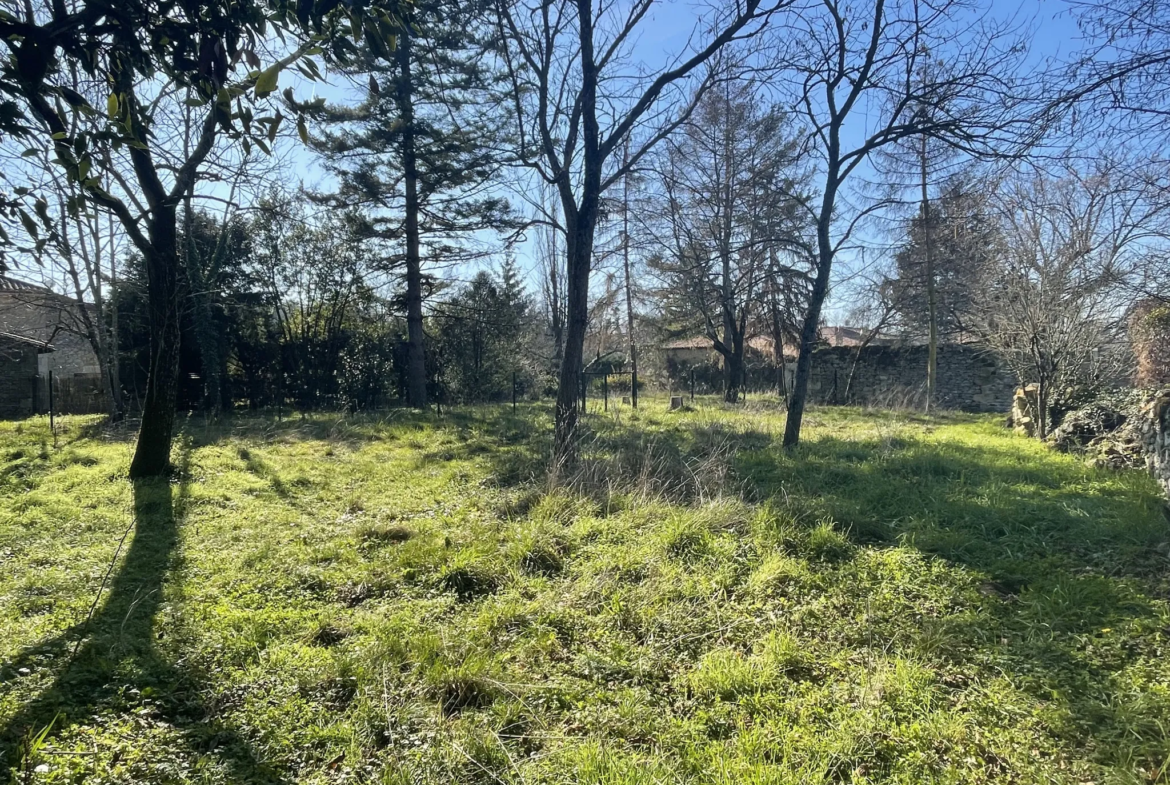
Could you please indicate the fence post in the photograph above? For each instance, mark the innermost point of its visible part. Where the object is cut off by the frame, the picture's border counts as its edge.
(605, 391)
(692, 384)
(52, 412)
(513, 391)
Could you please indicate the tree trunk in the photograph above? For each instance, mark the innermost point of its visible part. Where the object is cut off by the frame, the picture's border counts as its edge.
(812, 316)
(733, 367)
(206, 334)
(579, 252)
(931, 293)
(629, 292)
(416, 363)
(153, 452)
(581, 221)
(1041, 409)
(113, 358)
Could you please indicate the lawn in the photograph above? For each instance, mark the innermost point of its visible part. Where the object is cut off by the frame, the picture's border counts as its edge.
(401, 599)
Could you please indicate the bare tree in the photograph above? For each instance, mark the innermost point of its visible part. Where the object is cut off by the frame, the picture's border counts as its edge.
(1118, 86)
(1054, 300)
(579, 98)
(727, 220)
(81, 260)
(875, 310)
(860, 69)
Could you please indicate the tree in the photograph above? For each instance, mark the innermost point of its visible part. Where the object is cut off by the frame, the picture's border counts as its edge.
(480, 335)
(313, 276)
(81, 253)
(729, 183)
(215, 283)
(422, 150)
(848, 68)
(1054, 301)
(1118, 86)
(962, 234)
(146, 57)
(577, 101)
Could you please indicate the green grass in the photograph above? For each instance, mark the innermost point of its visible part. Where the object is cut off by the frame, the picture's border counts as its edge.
(401, 600)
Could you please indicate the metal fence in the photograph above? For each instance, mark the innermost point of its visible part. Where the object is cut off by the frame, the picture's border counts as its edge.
(75, 394)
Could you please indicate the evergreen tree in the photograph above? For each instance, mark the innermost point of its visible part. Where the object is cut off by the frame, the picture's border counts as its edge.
(480, 333)
(962, 240)
(417, 156)
(729, 186)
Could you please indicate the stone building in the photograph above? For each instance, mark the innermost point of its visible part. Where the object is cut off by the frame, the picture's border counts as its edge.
(45, 329)
(18, 374)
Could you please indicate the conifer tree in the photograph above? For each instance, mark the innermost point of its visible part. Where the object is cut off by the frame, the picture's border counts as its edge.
(419, 154)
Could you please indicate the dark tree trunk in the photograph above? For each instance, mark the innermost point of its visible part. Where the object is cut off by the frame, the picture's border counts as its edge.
(581, 221)
(733, 367)
(629, 290)
(579, 253)
(812, 316)
(931, 290)
(416, 363)
(153, 452)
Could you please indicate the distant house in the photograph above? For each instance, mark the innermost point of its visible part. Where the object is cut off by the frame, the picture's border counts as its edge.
(42, 332)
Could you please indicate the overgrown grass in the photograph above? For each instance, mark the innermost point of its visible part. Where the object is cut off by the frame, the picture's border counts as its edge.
(403, 600)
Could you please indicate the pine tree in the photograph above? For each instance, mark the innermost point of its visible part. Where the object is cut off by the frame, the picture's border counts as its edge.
(962, 239)
(417, 157)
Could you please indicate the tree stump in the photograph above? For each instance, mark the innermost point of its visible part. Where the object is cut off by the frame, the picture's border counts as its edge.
(676, 402)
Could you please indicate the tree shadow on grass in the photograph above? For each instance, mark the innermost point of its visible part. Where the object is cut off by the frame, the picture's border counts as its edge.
(1066, 573)
(1071, 560)
(112, 662)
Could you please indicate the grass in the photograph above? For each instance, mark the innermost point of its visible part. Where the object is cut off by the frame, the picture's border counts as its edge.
(902, 599)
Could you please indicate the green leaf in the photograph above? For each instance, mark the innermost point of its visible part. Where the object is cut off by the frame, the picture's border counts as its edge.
(267, 81)
(30, 225)
(112, 105)
(75, 99)
(303, 130)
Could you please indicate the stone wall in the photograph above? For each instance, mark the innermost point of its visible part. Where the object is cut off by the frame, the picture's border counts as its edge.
(1149, 330)
(54, 319)
(969, 378)
(1156, 437)
(18, 367)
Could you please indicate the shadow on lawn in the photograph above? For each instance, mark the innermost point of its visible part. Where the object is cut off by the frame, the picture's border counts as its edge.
(1071, 560)
(1068, 563)
(112, 662)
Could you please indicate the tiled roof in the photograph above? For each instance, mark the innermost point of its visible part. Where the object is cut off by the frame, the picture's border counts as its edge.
(8, 284)
(699, 342)
(48, 347)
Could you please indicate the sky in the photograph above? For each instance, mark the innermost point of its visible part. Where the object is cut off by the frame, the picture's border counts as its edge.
(663, 36)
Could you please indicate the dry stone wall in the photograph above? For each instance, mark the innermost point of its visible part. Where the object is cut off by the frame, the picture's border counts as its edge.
(969, 377)
(1156, 437)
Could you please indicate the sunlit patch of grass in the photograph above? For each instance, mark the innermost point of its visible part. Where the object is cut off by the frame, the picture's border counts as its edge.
(404, 598)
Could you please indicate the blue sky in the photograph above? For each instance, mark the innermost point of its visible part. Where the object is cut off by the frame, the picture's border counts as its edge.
(663, 36)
